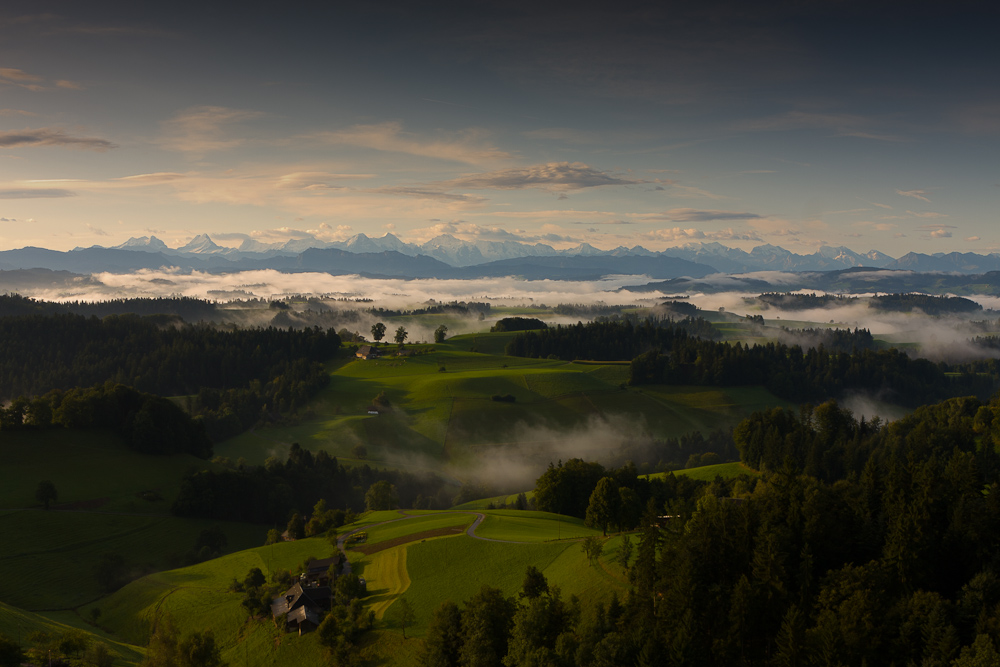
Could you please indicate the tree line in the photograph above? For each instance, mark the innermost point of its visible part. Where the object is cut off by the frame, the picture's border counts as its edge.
(147, 423)
(153, 354)
(666, 352)
(272, 493)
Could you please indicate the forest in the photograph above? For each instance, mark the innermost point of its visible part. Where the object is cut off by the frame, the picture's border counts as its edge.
(861, 543)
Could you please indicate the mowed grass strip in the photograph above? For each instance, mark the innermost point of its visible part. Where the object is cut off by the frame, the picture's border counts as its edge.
(528, 526)
(387, 578)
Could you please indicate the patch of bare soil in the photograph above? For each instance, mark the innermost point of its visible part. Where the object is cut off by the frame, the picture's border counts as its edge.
(369, 549)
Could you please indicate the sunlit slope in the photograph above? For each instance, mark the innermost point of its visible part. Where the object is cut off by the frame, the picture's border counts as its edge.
(443, 407)
(18, 624)
(426, 557)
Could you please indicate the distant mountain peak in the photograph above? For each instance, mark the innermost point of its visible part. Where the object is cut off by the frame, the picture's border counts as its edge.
(200, 244)
(142, 242)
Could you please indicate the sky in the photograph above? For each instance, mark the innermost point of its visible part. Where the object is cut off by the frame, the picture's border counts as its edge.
(864, 124)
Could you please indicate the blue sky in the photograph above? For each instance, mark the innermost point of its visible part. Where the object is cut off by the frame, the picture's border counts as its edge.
(870, 125)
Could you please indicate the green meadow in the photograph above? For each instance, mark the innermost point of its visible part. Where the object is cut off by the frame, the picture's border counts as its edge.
(424, 571)
(442, 408)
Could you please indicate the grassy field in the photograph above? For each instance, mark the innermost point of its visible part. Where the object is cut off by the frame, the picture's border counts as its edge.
(442, 408)
(90, 468)
(426, 572)
(522, 526)
(51, 563)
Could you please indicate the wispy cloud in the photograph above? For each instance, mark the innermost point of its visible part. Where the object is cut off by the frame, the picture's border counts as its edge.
(16, 112)
(426, 193)
(842, 124)
(156, 177)
(695, 215)
(46, 136)
(469, 146)
(205, 129)
(553, 176)
(927, 214)
(96, 231)
(11, 76)
(35, 193)
(916, 194)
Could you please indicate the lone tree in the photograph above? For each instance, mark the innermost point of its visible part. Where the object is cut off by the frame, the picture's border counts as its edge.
(406, 615)
(46, 493)
(440, 333)
(381, 496)
(378, 332)
(603, 506)
(400, 336)
(593, 547)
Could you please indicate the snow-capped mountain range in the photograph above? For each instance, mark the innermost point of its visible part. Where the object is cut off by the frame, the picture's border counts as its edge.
(459, 253)
(446, 256)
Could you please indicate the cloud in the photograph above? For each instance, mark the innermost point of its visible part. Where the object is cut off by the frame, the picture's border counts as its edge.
(20, 78)
(928, 214)
(941, 234)
(606, 222)
(17, 77)
(200, 130)
(35, 193)
(156, 177)
(16, 112)
(553, 176)
(424, 193)
(316, 180)
(97, 231)
(8, 219)
(695, 215)
(972, 238)
(678, 190)
(680, 234)
(881, 205)
(45, 136)
(467, 146)
(844, 125)
(916, 194)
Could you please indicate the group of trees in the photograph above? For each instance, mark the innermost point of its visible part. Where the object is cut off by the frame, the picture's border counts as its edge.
(618, 339)
(603, 497)
(147, 423)
(234, 378)
(39, 353)
(273, 492)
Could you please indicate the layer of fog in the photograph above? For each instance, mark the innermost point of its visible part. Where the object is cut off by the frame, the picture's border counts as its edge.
(939, 338)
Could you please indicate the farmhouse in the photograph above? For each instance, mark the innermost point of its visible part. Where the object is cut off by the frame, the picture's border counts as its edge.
(367, 352)
(317, 573)
(301, 606)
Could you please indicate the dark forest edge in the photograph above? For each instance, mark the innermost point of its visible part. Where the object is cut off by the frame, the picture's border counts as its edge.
(675, 353)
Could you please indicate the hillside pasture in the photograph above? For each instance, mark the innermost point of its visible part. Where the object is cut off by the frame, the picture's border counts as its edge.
(91, 469)
(51, 564)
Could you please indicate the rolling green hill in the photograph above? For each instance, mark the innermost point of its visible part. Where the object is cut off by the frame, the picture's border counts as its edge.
(442, 408)
(424, 569)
